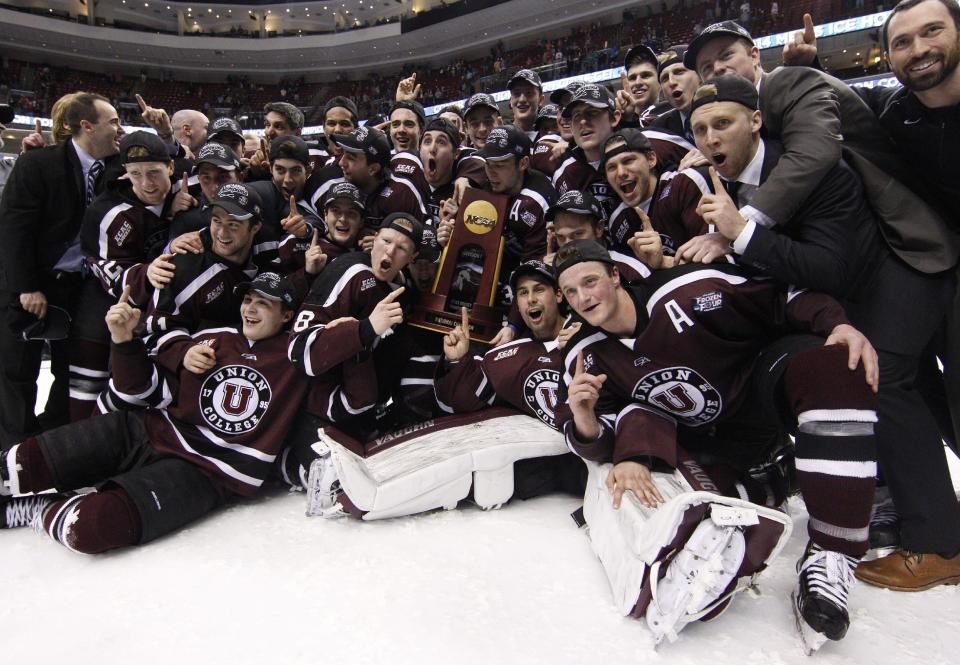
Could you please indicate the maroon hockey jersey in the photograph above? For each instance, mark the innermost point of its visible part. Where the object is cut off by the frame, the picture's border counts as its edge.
(231, 421)
(699, 330)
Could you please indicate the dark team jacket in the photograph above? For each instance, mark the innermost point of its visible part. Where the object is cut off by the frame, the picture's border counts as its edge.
(524, 373)
(201, 292)
(525, 229)
(672, 210)
(344, 358)
(230, 421)
(672, 121)
(120, 236)
(699, 330)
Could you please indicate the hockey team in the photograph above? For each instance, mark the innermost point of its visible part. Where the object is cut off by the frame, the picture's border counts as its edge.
(720, 287)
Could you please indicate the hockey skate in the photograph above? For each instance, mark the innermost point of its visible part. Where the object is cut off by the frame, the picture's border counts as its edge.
(884, 525)
(20, 511)
(695, 579)
(820, 600)
(323, 487)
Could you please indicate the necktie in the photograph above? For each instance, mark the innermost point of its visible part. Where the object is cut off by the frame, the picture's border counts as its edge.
(95, 170)
(733, 188)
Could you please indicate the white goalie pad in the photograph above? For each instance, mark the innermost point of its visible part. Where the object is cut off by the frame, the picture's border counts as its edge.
(637, 546)
(437, 468)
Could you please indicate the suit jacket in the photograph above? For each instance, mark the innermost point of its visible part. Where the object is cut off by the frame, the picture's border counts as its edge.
(819, 119)
(41, 212)
(831, 243)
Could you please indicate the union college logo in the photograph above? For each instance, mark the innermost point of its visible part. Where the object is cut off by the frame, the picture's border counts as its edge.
(233, 399)
(680, 392)
(540, 393)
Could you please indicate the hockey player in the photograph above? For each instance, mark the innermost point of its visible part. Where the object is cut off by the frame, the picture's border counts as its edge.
(123, 230)
(480, 115)
(669, 200)
(689, 349)
(211, 433)
(639, 99)
(526, 98)
(406, 125)
(678, 84)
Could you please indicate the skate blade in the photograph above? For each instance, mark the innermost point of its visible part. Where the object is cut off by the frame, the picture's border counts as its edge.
(810, 639)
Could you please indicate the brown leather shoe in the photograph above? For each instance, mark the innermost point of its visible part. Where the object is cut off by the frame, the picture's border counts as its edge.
(910, 571)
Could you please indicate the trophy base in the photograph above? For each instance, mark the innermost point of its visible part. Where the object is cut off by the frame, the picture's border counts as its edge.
(431, 314)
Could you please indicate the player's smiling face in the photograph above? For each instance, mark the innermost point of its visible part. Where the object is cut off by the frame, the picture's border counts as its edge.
(262, 317)
(506, 175)
(391, 252)
(924, 45)
(437, 155)
(727, 134)
(232, 238)
(727, 54)
(591, 291)
(642, 83)
(337, 121)
(592, 126)
(632, 175)
(404, 130)
(538, 303)
(211, 178)
(480, 122)
(343, 222)
(525, 100)
(679, 84)
(150, 180)
(276, 124)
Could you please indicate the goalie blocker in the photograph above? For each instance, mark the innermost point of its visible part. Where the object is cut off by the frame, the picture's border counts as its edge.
(684, 560)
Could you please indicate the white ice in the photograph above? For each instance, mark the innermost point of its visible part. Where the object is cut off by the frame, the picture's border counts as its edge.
(261, 583)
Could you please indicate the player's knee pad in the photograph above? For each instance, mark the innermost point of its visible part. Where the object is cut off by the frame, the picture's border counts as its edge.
(435, 464)
(821, 388)
(649, 554)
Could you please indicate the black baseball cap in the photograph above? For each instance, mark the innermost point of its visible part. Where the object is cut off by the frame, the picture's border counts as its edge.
(445, 126)
(406, 224)
(341, 102)
(156, 149)
(527, 76)
(726, 88)
(597, 96)
(239, 201)
(505, 142)
(345, 190)
(365, 140)
(672, 56)
(416, 107)
(547, 112)
(290, 147)
(219, 155)
(481, 99)
(579, 251)
(54, 326)
(569, 89)
(624, 140)
(533, 268)
(577, 202)
(638, 54)
(272, 287)
(731, 28)
(225, 126)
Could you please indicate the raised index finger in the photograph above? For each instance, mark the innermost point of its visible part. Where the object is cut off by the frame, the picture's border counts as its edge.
(718, 187)
(645, 223)
(579, 369)
(809, 35)
(393, 295)
(143, 104)
(38, 126)
(465, 321)
(316, 238)
(293, 204)
(125, 296)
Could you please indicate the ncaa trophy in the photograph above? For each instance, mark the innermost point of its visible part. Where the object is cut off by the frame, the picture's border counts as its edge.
(469, 270)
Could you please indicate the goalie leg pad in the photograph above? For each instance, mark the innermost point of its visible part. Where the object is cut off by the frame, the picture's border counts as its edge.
(637, 545)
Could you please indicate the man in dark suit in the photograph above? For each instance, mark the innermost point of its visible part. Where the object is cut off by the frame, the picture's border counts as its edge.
(818, 119)
(40, 258)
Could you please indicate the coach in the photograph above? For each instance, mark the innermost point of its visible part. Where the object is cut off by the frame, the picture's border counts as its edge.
(40, 214)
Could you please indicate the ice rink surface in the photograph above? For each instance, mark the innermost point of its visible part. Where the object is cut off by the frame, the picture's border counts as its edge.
(261, 583)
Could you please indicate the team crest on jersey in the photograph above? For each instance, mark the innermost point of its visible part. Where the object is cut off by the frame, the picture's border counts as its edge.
(368, 283)
(233, 399)
(540, 394)
(708, 302)
(528, 218)
(214, 293)
(682, 392)
(506, 354)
